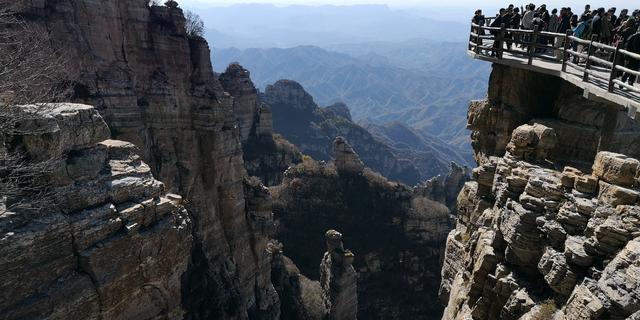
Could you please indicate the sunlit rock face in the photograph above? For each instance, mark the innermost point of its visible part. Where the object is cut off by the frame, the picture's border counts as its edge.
(107, 242)
(546, 228)
(155, 87)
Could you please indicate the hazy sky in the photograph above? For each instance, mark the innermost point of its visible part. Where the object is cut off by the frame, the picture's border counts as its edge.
(425, 3)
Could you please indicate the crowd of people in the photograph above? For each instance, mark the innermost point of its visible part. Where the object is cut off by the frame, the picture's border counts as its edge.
(609, 28)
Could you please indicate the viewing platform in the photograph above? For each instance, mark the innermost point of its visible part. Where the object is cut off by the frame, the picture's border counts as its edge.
(592, 66)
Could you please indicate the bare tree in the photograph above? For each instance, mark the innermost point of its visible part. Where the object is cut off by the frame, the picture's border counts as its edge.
(31, 72)
(194, 25)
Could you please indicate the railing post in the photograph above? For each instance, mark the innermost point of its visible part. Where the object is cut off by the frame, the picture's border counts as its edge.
(587, 65)
(565, 54)
(479, 32)
(532, 44)
(613, 68)
(500, 41)
(471, 37)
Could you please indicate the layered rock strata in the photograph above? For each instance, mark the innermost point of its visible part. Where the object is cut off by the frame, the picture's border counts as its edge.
(583, 126)
(105, 241)
(266, 155)
(397, 233)
(533, 242)
(154, 86)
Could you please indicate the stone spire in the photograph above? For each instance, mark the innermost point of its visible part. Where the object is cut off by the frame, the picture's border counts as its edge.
(339, 279)
(346, 159)
(264, 125)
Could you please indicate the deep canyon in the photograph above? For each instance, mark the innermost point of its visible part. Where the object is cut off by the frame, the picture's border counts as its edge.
(180, 193)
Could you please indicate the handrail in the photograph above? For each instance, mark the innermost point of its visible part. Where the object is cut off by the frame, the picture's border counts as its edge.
(596, 65)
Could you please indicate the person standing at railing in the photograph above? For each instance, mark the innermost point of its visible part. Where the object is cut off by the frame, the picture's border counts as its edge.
(624, 16)
(480, 20)
(607, 27)
(554, 20)
(596, 22)
(527, 17)
(587, 11)
(527, 22)
(633, 45)
(497, 23)
(613, 17)
(579, 31)
(516, 19)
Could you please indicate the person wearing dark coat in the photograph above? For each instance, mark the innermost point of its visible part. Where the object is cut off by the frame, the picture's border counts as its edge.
(497, 23)
(565, 21)
(479, 19)
(633, 45)
(596, 22)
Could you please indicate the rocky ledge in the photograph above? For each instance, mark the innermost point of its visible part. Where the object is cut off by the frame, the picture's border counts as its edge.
(104, 241)
(535, 242)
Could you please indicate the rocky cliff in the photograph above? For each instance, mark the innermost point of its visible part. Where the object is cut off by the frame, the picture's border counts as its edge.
(312, 129)
(548, 227)
(104, 241)
(266, 155)
(155, 87)
(396, 232)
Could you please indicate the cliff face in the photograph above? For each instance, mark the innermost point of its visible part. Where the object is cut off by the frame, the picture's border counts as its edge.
(312, 129)
(155, 87)
(108, 241)
(396, 232)
(266, 155)
(518, 97)
(535, 238)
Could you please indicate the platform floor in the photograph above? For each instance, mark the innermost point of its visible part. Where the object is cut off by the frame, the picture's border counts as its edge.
(595, 89)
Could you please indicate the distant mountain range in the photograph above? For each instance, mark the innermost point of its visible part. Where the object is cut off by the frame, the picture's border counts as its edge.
(264, 25)
(404, 74)
(396, 151)
(424, 85)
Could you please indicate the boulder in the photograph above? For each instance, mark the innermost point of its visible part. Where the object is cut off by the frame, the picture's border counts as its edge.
(557, 273)
(532, 142)
(616, 168)
(569, 175)
(575, 254)
(614, 195)
(587, 184)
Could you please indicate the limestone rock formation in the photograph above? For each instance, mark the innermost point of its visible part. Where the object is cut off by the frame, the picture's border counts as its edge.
(265, 155)
(345, 158)
(301, 298)
(446, 189)
(396, 232)
(536, 238)
(106, 242)
(236, 80)
(155, 87)
(583, 126)
(313, 130)
(339, 279)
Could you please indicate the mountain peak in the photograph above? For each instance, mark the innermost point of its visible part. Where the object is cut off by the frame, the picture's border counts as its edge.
(289, 94)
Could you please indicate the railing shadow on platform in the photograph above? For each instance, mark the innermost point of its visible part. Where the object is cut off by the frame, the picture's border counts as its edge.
(596, 63)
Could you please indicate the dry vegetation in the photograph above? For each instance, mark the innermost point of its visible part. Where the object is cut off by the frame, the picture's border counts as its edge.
(33, 73)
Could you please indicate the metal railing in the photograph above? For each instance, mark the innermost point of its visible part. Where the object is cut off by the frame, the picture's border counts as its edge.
(597, 62)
